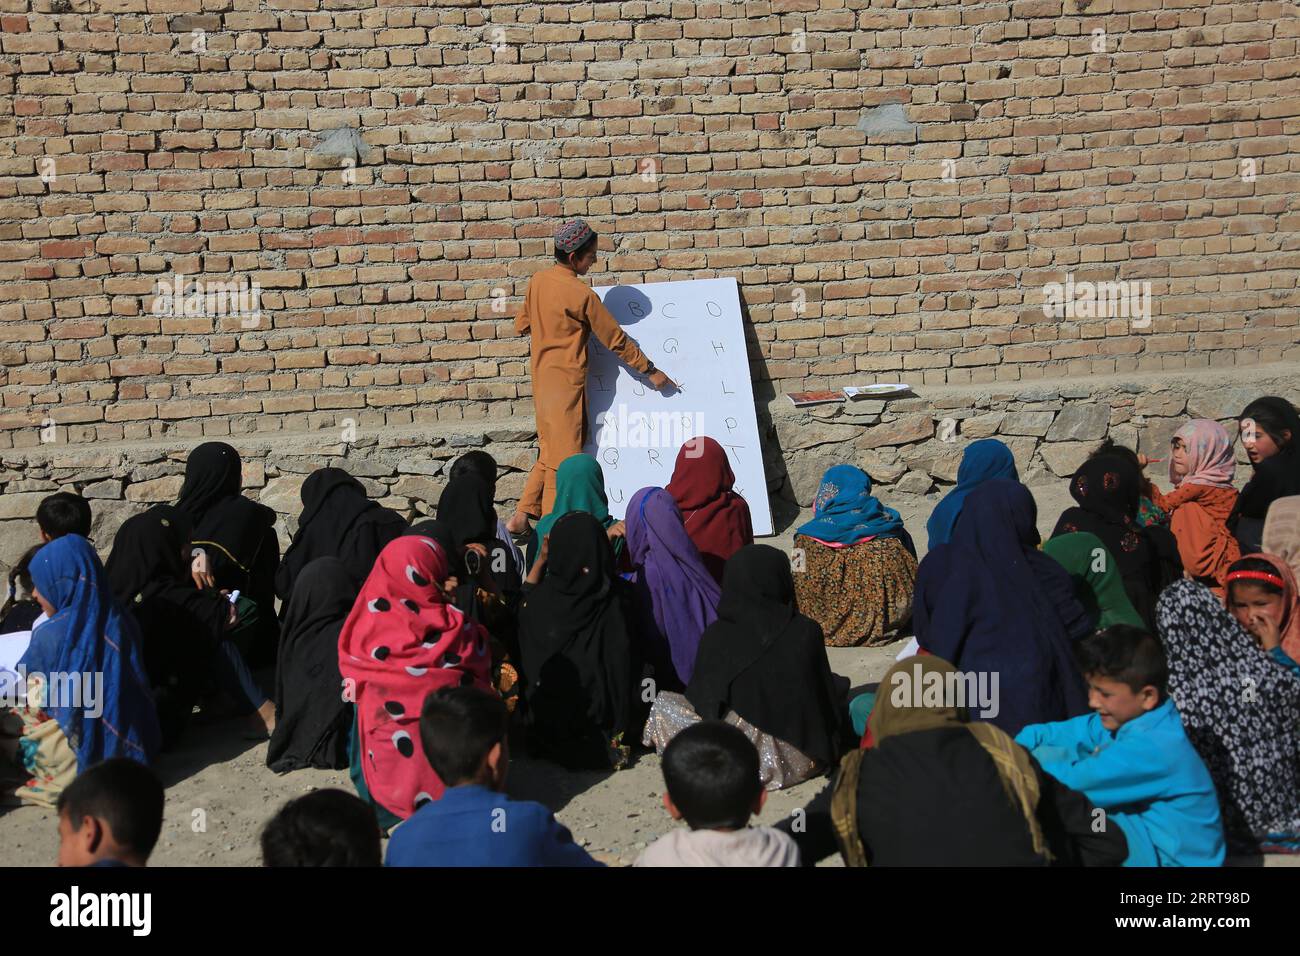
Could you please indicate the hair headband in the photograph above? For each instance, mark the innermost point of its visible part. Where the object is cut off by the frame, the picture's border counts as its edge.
(1268, 576)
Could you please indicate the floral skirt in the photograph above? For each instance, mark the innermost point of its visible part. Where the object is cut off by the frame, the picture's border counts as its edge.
(780, 764)
(38, 762)
(861, 594)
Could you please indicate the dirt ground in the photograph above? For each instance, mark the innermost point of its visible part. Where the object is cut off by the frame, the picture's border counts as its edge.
(220, 792)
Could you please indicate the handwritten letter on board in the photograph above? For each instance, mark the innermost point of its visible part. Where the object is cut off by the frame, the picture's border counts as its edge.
(692, 331)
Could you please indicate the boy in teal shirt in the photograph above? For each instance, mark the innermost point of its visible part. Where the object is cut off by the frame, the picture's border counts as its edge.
(1131, 756)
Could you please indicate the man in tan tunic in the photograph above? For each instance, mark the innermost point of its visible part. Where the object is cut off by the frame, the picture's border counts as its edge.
(560, 313)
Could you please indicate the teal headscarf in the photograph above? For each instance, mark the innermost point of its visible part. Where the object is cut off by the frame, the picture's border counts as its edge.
(579, 486)
(845, 511)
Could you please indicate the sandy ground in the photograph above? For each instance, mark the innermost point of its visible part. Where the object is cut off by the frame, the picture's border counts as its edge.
(220, 792)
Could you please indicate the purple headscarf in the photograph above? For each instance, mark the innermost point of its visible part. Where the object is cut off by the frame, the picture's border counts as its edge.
(670, 577)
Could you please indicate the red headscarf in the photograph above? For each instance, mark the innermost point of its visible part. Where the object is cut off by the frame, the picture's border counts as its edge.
(402, 641)
(716, 518)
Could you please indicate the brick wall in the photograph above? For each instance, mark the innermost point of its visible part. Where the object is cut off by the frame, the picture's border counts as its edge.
(801, 146)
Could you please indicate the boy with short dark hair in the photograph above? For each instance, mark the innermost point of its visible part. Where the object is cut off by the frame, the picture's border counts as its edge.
(711, 773)
(63, 513)
(110, 815)
(1131, 756)
(463, 733)
(324, 828)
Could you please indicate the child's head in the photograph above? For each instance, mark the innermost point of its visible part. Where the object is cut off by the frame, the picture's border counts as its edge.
(476, 463)
(463, 731)
(1126, 672)
(63, 513)
(1267, 426)
(323, 828)
(1112, 447)
(575, 246)
(712, 774)
(20, 580)
(1179, 463)
(1256, 596)
(113, 811)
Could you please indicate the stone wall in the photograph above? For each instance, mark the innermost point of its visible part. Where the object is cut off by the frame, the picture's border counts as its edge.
(910, 446)
(892, 184)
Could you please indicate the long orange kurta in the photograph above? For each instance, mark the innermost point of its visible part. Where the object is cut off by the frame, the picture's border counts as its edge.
(559, 314)
(1197, 518)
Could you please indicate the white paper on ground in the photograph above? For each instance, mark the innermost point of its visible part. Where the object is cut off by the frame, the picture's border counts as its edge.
(12, 648)
(909, 650)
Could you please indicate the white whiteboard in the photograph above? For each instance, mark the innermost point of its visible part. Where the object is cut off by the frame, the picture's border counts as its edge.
(692, 331)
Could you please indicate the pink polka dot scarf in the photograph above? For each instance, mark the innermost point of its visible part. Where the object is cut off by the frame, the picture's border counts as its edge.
(401, 642)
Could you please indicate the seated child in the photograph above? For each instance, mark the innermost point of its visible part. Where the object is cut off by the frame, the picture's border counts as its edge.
(711, 773)
(63, 513)
(111, 815)
(463, 733)
(324, 828)
(1262, 596)
(1131, 756)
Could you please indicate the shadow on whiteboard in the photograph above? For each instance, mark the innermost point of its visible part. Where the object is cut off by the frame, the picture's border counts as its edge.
(628, 304)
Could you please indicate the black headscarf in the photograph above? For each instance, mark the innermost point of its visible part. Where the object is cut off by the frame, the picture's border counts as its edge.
(579, 665)
(1108, 489)
(465, 507)
(465, 510)
(181, 626)
(235, 532)
(475, 462)
(1273, 478)
(766, 661)
(337, 521)
(312, 718)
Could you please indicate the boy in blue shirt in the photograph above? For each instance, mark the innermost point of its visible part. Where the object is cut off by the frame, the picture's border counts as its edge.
(463, 732)
(1131, 756)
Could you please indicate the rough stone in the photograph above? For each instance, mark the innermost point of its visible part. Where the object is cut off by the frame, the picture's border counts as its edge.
(982, 426)
(1027, 423)
(805, 473)
(1155, 434)
(110, 489)
(419, 488)
(1086, 421)
(32, 484)
(797, 436)
(419, 466)
(21, 505)
(364, 467)
(284, 494)
(1160, 403)
(162, 469)
(466, 441)
(155, 489)
(510, 434)
(510, 487)
(914, 483)
(881, 470)
(1220, 403)
(902, 431)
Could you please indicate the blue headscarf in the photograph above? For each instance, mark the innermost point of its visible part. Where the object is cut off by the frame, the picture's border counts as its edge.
(989, 601)
(88, 636)
(985, 459)
(845, 511)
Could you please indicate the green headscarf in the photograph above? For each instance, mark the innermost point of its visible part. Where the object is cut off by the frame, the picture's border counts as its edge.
(579, 486)
(1097, 581)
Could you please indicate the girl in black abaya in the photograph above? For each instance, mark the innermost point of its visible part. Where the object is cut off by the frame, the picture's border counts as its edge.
(184, 628)
(237, 537)
(312, 718)
(337, 521)
(581, 672)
